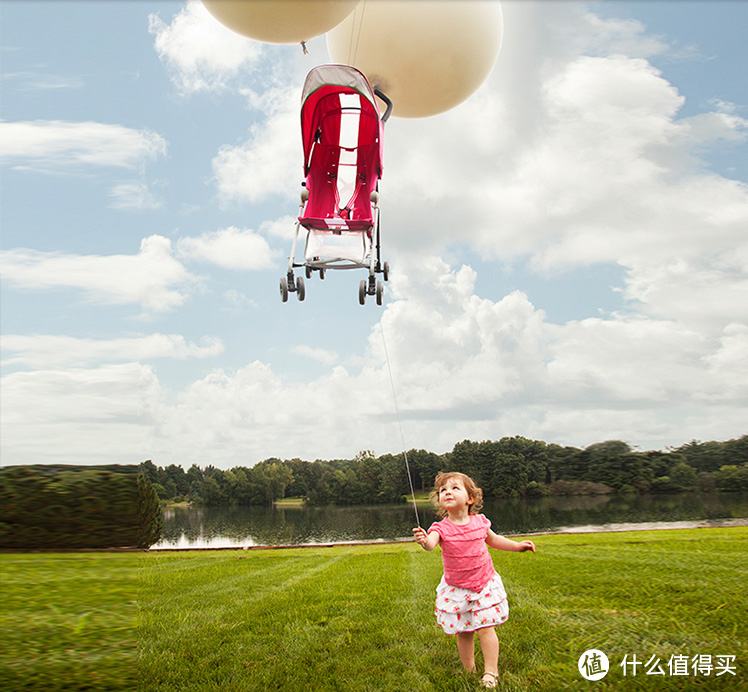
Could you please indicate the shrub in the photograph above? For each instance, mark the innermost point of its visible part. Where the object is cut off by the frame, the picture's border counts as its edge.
(76, 507)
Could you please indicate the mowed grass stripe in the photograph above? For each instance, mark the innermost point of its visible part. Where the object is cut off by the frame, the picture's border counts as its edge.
(233, 575)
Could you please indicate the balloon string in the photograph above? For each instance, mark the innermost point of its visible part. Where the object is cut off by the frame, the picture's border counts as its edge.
(400, 424)
(362, 4)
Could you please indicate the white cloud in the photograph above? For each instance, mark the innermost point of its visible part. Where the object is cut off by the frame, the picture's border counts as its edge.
(607, 173)
(468, 367)
(52, 145)
(617, 37)
(80, 416)
(153, 278)
(283, 228)
(45, 351)
(269, 162)
(200, 53)
(230, 248)
(134, 195)
(463, 367)
(704, 294)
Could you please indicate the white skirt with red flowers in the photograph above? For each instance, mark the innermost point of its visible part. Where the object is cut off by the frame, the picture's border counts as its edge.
(463, 610)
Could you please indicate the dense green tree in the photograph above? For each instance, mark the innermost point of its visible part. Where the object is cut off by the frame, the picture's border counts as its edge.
(211, 492)
(560, 462)
(269, 480)
(703, 456)
(736, 451)
(424, 466)
(732, 478)
(611, 463)
(151, 471)
(320, 490)
(683, 475)
(466, 458)
(302, 478)
(177, 479)
(149, 515)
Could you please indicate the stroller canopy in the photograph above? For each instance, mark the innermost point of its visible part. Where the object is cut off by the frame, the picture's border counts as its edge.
(320, 102)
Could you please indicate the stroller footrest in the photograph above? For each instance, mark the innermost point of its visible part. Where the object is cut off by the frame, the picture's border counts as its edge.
(336, 224)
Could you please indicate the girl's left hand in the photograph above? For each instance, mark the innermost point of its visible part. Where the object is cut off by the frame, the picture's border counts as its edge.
(526, 545)
(420, 535)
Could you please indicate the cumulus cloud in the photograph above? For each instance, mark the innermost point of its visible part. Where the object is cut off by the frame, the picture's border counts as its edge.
(202, 55)
(199, 53)
(263, 165)
(153, 278)
(468, 367)
(230, 248)
(463, 366)
(52, 145)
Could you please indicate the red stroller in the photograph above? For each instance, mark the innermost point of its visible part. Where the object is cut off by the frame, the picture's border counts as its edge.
(342, 132)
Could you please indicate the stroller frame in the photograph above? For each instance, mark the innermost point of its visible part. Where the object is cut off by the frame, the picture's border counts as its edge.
(342, 138)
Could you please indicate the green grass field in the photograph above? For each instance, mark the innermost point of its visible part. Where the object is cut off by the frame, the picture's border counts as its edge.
(360, 617)
(68, 621)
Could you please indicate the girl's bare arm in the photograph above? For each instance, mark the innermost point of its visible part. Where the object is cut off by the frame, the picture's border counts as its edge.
(426, 541)
(503, 543)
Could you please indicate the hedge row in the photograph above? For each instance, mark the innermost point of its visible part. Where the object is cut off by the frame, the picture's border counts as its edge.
(77, 507)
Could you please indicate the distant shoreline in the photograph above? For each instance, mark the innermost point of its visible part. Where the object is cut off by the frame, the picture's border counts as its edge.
(570, 530)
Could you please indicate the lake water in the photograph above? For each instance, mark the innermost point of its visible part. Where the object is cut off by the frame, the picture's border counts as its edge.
(217, 527)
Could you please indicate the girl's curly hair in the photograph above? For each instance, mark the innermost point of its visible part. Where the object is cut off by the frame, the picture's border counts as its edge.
(473, 491)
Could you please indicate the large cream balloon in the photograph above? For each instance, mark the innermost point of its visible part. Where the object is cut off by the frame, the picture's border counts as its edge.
(280, 21)
(427, 56)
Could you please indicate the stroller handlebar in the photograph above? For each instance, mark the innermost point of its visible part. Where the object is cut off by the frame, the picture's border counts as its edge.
(378, 92)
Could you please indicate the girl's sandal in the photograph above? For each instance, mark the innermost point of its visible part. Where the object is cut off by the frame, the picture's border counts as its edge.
(489, 680)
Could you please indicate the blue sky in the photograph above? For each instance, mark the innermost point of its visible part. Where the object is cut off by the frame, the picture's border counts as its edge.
(568, 246)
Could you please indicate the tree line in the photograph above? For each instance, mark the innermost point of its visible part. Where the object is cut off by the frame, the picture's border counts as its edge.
(509, 467)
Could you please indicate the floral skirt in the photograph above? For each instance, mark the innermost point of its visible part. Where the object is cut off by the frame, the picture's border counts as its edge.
(463, 610)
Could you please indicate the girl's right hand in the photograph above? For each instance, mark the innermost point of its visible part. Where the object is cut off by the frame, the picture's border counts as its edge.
(420, 535)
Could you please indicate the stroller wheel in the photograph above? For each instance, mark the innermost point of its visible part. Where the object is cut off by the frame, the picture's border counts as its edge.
(380, 292)
(284, 289)
(322, 273)
(308, 272)
(386, 271)
(362, 292)
(300, 288)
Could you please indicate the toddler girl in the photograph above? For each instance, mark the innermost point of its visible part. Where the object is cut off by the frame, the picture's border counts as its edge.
(470, 597)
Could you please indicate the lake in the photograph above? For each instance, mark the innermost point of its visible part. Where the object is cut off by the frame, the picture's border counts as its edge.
(224, 527)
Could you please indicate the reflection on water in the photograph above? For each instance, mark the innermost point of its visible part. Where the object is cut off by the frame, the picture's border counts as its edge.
(203, 527)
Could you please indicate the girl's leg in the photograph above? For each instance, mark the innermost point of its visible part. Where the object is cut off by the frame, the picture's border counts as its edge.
(489, 644)
(466, 648)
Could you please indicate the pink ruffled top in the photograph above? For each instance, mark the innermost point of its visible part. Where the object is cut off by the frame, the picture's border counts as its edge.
(467, 562)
